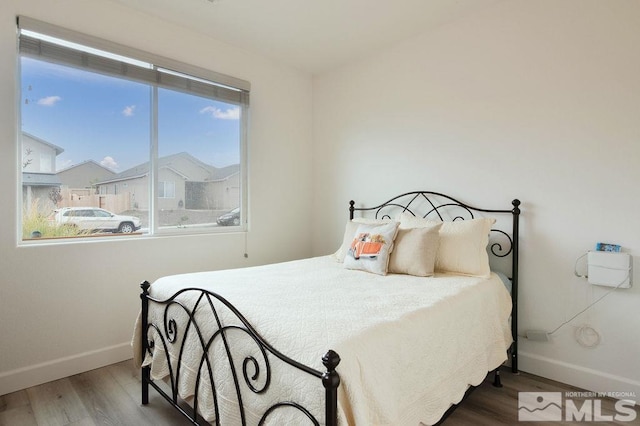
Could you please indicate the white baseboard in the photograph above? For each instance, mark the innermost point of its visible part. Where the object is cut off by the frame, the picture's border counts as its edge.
(585, 378)
(22, 378)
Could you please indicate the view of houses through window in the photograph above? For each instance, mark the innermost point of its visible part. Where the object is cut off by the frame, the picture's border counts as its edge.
(118, 154)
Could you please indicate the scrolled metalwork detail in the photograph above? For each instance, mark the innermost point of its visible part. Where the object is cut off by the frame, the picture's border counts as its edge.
(256, 364)
(496, 247)
(249, 361)
(427, 204)
(256, 373)
(151, 344)
(171, 330)
(437, 208)
(392, 207)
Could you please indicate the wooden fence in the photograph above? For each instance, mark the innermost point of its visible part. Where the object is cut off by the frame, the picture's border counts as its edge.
(80, 197)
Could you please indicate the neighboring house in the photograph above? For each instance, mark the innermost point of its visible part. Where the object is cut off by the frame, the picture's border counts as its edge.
(84, 175)
(184, 182)
(38, 171)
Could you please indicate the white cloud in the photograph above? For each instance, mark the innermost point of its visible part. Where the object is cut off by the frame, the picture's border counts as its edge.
(109, 163)
(228, 114)
(49, 100)
(128, 111)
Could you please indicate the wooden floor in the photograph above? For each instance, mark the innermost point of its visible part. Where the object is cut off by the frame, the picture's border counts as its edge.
(111, 396)
(488, 405)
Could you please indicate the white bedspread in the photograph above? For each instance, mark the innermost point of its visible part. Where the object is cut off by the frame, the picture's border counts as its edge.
(410, 346)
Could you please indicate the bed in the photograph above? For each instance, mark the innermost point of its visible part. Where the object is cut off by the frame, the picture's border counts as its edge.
(329, 341)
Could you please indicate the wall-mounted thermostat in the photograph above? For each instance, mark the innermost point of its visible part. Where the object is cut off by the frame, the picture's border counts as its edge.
(609, 269)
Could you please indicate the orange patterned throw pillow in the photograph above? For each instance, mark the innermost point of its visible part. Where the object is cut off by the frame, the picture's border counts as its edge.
(371, 247)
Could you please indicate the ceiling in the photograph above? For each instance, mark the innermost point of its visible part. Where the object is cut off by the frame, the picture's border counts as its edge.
(311, 35)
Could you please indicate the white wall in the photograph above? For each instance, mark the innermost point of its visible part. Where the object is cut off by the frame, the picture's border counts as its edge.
(71, 307)
(538, 100)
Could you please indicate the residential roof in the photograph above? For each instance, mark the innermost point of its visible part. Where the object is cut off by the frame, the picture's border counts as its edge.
(40, 179)
(141, 170)
(224, 172)
(86, 162)
(58, 149)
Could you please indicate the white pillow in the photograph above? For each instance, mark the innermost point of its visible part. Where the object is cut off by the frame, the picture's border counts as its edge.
(463, 244)
(371, 247)
(350, 232)
(415, 250)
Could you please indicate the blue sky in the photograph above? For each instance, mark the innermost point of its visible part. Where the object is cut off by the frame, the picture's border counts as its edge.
(100, 118)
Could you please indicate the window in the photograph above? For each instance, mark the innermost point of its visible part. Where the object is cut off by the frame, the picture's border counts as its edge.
(166, 190)
(154, 139)
(45, 163)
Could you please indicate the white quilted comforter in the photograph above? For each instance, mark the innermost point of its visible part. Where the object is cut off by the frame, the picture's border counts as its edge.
(410, 346)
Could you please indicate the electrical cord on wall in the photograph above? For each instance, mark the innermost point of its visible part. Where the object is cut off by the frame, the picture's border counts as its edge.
(587, 336)
(589, 306)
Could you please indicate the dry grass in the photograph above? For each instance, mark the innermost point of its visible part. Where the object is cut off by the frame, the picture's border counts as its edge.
(35, 224)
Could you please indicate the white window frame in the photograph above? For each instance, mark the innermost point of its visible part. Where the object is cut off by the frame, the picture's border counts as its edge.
(164, 184)
(140, 66)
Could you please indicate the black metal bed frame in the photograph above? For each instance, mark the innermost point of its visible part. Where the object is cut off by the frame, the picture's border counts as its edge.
(167, 333)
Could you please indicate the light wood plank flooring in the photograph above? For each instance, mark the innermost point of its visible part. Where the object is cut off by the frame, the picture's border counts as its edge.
(491, 406)
(111, 396)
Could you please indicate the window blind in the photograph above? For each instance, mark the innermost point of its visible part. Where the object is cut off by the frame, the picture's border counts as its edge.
(49, 43)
